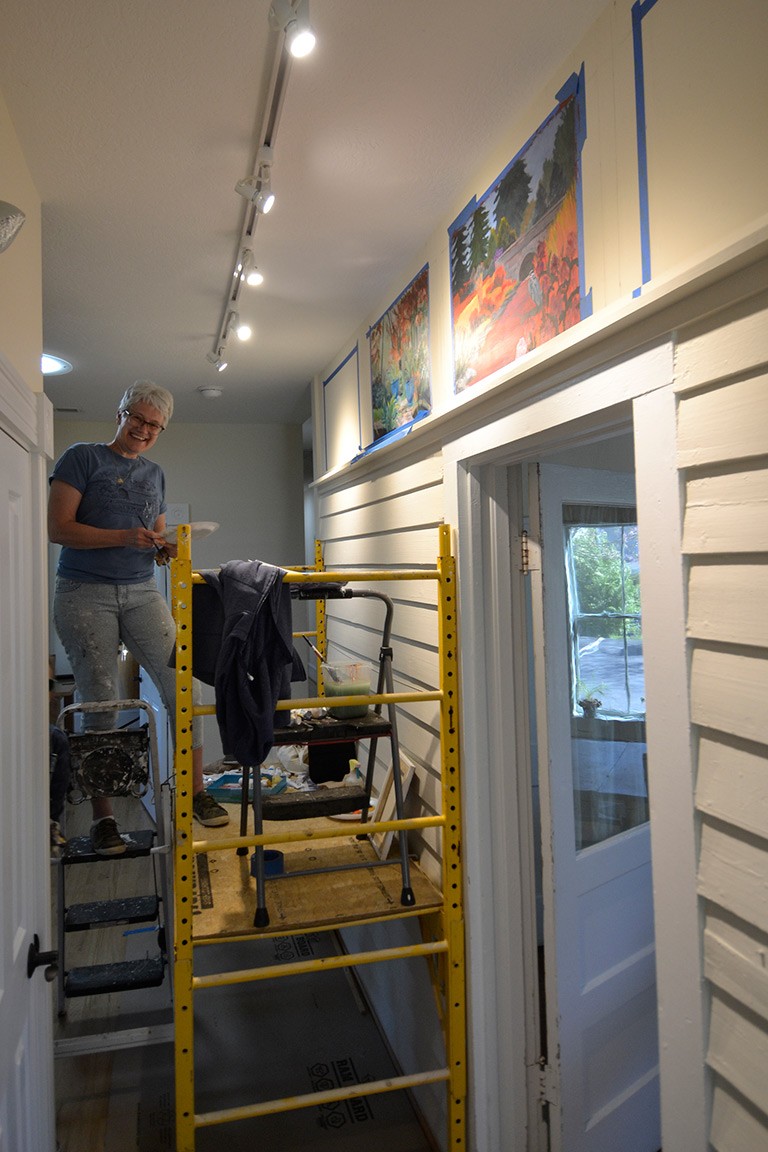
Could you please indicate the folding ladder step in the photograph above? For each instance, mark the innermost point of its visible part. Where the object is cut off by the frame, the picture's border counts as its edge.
(123, 976)
(79, 849)
(103, 913)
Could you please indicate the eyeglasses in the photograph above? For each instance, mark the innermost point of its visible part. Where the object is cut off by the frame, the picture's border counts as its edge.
(140, 422)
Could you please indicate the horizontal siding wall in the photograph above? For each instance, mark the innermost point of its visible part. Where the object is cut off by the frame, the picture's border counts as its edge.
(722, 381)
(391, 522)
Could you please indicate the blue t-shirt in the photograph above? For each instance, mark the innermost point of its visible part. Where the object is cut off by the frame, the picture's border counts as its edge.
(116, 493)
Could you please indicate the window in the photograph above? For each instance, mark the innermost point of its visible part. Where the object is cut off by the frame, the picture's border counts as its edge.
(603, 580)
(610, 790)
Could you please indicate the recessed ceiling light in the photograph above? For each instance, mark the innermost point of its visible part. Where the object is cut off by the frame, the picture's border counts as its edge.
(54, 365)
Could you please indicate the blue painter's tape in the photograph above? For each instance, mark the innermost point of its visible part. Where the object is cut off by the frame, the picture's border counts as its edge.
(640, 9)
(390, 437)
(573, 84)
(339, 367)
(576, 87)
(327, 381)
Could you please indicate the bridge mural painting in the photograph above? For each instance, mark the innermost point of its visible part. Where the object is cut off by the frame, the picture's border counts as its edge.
(400, 366)
(516, 253)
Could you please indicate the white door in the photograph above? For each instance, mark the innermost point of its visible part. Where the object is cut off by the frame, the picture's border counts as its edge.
(598, 914)
(26, 1048)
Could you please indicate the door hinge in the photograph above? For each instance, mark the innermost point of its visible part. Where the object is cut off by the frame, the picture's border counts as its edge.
(547, 1083)
(530, 553)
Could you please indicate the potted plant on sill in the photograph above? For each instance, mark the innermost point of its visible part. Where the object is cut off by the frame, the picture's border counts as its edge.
(588, 699)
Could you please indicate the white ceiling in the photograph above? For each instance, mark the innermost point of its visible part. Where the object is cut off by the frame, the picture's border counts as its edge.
(137, 117)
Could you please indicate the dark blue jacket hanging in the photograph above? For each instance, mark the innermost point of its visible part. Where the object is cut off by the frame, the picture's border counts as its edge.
(246, 650)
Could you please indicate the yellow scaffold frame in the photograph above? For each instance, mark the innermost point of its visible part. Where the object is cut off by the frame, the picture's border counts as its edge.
(447, 949)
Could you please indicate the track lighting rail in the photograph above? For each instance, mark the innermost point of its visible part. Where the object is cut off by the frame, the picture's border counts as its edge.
(290, 20)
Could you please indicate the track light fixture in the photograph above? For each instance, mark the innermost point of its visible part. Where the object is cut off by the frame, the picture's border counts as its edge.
(293, 20)
(217, 360)
(258, 188)
(242, 331)
(11, 220)
(266, 197)
(247, 270)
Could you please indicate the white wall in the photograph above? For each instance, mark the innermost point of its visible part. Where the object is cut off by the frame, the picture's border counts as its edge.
(706, 89)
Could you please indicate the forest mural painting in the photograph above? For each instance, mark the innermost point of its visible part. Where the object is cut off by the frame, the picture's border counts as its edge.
(400, 372)
(514, 255)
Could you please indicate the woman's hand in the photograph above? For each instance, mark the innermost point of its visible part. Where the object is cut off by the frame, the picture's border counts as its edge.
(144, 538)
(168, 547)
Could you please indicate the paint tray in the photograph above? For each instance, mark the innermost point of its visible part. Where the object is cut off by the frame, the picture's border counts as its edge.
(228, 788)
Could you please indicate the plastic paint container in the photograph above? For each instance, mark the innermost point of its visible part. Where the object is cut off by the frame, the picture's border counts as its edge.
(347, 680)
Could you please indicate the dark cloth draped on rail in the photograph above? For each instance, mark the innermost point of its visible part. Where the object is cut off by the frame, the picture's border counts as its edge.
(243, 646)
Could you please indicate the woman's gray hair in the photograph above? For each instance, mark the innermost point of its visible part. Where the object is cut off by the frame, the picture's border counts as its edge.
(147, 392)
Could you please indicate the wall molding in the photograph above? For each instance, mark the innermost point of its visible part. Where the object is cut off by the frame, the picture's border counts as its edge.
(26, 416)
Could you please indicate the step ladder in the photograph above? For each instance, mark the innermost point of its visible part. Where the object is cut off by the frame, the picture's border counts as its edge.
(331, 733)
(116, 762)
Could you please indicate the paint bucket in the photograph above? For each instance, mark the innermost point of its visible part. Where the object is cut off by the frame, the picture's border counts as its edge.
(274, 862)
(347, 680)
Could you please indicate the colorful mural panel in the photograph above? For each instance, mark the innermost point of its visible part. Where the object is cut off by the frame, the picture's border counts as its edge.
(515, 254)
(400, 370)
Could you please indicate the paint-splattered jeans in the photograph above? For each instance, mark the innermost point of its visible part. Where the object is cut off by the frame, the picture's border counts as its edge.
(92, 619)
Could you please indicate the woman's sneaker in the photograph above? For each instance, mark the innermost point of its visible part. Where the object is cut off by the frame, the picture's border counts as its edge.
(105, 838)
(206, 811)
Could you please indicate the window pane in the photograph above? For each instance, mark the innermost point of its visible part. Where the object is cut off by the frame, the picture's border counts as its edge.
(610, 668)
(607, 682)
(604, 610)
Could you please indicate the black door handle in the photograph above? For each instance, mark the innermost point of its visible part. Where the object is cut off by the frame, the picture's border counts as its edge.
(37, 959)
